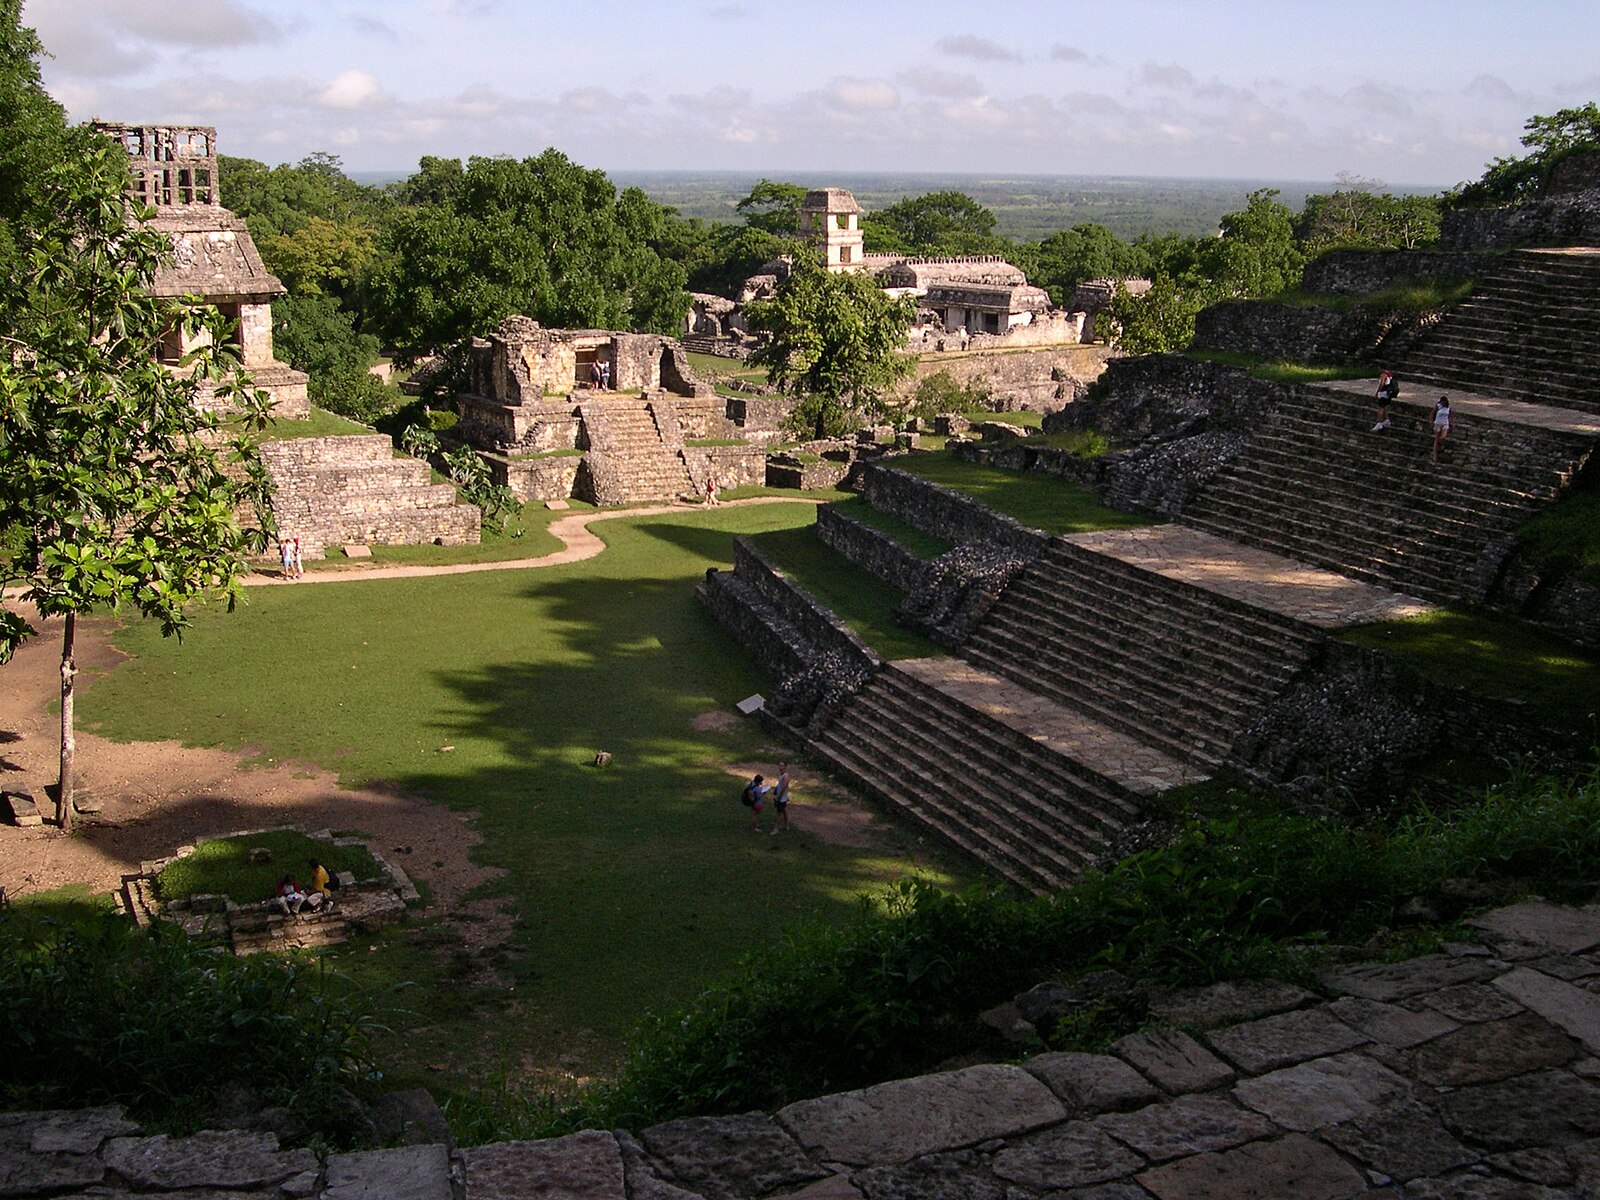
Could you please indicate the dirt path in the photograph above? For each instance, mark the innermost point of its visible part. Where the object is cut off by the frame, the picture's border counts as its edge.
(578, 543)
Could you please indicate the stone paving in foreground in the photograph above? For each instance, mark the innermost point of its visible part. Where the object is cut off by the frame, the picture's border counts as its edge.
(1269, 581)
(1472, 1074)
(1138, 767)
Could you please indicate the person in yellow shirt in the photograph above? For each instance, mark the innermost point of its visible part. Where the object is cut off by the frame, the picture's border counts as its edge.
(320, 887)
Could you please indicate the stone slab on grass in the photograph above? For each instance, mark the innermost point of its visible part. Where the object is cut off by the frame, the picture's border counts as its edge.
(1493, 1051)
(1389, 1024)
(1555, 928)
(213, 1158)
(640, 1175)
(405, 1173)
(726, 1158)
(1572, 1008)
(1278, 1041)
(1228, 1003)
(1294, 1166)
(1092, 1083)
(1396, 981)
(1187, 1125)
(1073, 1155)
(355, 550)
(1403, 1140)
(581, 1166)
(896, 1121)
(1173, 1060)
(1322, 1092)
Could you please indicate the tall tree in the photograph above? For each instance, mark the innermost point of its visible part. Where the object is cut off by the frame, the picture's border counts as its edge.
(32, 130)
(773, 207)
(1256, 254)
(115, 489)
(1548, 139)
(1071, 256)
(834, 340)
(938, 223)
(541, 236)
(1357, 215)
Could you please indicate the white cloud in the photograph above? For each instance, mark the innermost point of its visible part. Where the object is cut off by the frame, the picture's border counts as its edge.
(863, 95)
(350, 89)
(969, 45)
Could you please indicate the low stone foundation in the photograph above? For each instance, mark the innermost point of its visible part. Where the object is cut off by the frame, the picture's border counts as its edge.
(944, 513)
(869, 548)
(535, 479)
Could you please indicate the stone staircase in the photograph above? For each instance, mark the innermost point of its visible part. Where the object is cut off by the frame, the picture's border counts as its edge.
(1000, 774)
(331, 491)
(1316, 484)
(1530, 332)
(1173, 664)
(629, 458)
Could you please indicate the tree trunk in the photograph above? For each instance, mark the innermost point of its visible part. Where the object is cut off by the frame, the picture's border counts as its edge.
(69, 669)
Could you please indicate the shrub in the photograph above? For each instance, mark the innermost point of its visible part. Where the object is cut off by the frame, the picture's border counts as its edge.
(99, 1012)
(355, 393)
(940, 393)
(419, 442)
(471, 474)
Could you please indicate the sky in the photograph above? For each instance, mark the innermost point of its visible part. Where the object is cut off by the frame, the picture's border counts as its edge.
(1405, 92)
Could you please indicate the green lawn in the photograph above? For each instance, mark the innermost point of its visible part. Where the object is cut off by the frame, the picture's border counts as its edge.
(1497, 657)
(712, 367)
(862, 600)
(631, 886)
(910, 538)
(1279, 370)
(1039, 501)
(320, 423)
(222, 866)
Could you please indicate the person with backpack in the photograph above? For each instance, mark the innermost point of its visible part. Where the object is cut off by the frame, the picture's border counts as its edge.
(1388, 390)
(752, 797)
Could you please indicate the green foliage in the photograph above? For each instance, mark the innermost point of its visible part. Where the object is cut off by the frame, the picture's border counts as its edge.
(1565, 537)
(835, 339)
(356, 393)
(316, 334)
(541, 236)
(1072, 256)
(1356, 217)
(470, 473)
(1039, 501)
(1549, 139)
(419, 441)
(100, 1012)
(940, 393)
(222, 866)
(33, 133)
(106, 464)
(1161, 321)
(773, 208)
(1256, 254)
(938, 223)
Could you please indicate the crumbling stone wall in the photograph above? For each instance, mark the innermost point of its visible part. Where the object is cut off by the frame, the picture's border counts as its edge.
(870, 548)
(533, 428)
(1362, 272)
(1310, 333)
(1037, 380)
(1564, 220)
(1155, 392)
(945, 513)
(536, 479)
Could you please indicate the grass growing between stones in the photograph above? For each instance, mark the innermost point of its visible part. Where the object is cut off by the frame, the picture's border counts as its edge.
(222, 866)
(859, 598)
(629, 888)
(1039, 501)
(1282, 371)
(1496, 657)
(320, 423)
(1565, 537)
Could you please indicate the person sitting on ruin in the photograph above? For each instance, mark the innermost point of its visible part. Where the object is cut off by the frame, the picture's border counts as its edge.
(1441, 426)
(1388, 390)
(321, 893)
(289, 897)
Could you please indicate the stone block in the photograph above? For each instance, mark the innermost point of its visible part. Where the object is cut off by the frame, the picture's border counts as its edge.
(1173, 1060)
(1554, 928)
(406, 1173)
(1226, 1003)
(1292, 1037)
(958, 1176)
(410, 1118)
(1073, 1155)
(1403, 1140)
(1494, 1050)
(1187, 1125)
(1092, 1082)
(1293, 1166)
(896, 1121)
(78, 1131)
(1574, 1009)
(1322, 1092)
(727, 1158)
(1542, 1109)
(21, 808)
(834, 1187)
(557, 505)
(1481, 1187)
(639, 1173)
(357, 550)
(581, 1166)
(1396, 981)
(210, 1159)
(1389, 1024)
(1472, 1002)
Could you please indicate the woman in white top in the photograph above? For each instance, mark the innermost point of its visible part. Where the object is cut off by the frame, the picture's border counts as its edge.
(1441, 425)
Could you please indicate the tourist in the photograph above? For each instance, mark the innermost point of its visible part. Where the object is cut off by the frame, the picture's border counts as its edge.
(605, 376)
(286, 556)
(780, 801)
(1441, 425)
(711, 490)
(321, 886)
(594, 375)
(296, 566)
(754, 793)
(1388, 389)
(290, 897)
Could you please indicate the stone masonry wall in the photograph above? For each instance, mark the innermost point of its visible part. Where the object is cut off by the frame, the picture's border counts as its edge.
(1567, 220)
(1362, 272)
(1040, 380)
(536, 479)
(1156, 392)
(870, 548)
(944, 513)
(1310, 333)
(825, 633)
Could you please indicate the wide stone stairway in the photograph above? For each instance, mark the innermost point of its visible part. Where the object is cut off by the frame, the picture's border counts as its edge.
(629, 458)
(1028, 787)
(331, 491)
(1530, 331)
(1317, 483)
